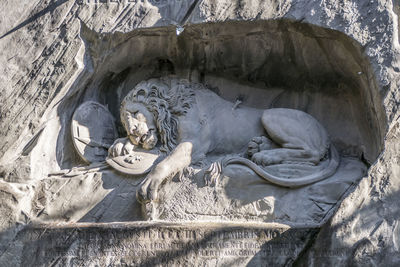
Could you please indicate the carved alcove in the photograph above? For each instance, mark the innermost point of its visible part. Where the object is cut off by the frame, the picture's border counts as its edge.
(265, 64)
(262, 64)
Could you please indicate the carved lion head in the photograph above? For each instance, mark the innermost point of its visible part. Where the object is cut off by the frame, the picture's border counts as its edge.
(166, 98)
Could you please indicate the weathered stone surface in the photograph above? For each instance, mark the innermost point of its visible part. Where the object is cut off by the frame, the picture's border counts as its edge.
(367, 227)
(243, 196)
(45, 74)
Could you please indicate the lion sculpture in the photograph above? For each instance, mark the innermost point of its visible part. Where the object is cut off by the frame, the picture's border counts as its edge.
(189, 121)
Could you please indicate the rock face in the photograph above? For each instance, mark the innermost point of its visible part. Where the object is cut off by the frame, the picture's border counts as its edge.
(337, 60)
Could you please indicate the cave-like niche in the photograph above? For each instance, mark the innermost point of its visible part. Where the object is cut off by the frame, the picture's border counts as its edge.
(262, 64)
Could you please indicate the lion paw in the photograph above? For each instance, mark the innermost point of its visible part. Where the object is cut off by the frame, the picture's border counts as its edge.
(121, 147)
(148, 190)
(258, 144)
(265, 159)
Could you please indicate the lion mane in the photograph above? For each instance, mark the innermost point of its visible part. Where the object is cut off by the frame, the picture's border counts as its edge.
(167, 98)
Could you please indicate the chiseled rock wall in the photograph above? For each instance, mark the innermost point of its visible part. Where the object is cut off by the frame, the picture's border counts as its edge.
(43, 54)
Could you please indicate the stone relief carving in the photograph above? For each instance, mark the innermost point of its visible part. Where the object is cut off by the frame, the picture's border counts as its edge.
(211, 157)
(190, 124)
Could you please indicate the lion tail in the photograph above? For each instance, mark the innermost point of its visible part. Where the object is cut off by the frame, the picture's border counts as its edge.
(333, 164)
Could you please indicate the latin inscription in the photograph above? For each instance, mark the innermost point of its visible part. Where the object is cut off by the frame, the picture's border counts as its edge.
(166, 245)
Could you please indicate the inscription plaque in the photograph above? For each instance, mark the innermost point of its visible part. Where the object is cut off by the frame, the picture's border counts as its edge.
(159, 244)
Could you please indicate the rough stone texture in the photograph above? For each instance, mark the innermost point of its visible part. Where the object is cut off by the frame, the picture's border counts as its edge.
(43, 58)
(367, 227)
(243, 196)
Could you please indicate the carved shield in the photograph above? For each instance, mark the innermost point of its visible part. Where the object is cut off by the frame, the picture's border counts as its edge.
(93, 131)
(139, 162)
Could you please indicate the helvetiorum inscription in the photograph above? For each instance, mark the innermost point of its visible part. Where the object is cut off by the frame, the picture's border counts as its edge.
(155, 244)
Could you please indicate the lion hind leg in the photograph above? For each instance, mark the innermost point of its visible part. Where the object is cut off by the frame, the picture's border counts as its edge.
(296, 130)
(284, 155)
